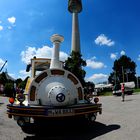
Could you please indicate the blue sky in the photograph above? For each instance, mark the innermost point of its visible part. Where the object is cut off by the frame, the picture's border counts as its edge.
(108, 29)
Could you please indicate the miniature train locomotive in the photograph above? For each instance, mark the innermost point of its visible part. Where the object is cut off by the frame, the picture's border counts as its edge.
(51, 92)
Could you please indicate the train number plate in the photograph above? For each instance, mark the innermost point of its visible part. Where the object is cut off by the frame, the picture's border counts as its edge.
(60, 112)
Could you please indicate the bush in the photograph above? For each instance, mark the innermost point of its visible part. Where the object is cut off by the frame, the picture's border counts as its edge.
(8, 89)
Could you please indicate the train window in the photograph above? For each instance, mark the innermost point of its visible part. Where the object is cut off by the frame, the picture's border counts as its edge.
(73, 79)
(80, 95)
(32, 93)
(41, 76)
(57, 72)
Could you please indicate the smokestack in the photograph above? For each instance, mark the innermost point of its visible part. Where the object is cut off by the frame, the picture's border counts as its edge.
(56, 40)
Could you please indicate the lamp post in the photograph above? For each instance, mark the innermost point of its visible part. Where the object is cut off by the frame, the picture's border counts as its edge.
(123, 74)
(122, 86)
(137, 81)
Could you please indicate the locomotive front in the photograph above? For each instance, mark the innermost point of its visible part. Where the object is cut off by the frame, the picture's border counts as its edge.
(55, 87)
(53, 93)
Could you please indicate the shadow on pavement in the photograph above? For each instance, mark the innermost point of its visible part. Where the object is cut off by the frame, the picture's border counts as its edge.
(72, 131)
(1, 104)
(128, 100)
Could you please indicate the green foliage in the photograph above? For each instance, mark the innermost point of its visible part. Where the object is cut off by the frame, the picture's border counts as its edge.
(89, 87)
(124, 66)
(74, 64)
(137, 91)
(18, 81)
(9, 85)
(3, 78)
(8, 89)
(21, 83)
(105, 93)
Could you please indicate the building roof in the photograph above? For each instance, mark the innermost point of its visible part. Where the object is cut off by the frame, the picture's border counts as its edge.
(9, 77)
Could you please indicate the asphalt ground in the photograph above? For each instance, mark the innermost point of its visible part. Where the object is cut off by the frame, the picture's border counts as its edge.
(118, 121)
(121, 119)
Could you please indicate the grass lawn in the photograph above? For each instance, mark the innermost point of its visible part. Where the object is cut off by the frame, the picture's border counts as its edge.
(137, 90)
(109, 93)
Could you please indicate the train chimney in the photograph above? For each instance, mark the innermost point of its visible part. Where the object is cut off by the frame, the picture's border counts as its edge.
(56, 40)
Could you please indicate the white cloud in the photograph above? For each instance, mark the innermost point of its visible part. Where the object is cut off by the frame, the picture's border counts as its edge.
(63, 56)
(1, 28)
(94, 64)
(24, 74)
(122, 52)
(103, 40)
(9, 27)
(93, 58)
(1, 62)
(12, 75)
(28, 54)
(11, 20)
(45, 51)
(113, 56)
(139, 57)
(96, 78)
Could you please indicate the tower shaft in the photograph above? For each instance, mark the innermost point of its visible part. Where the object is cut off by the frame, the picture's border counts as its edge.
(75, 33)
(75, 7)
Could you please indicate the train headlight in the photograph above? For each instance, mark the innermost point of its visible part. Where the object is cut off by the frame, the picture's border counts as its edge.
(11, 100)
(60, 97)
(21, 98)
(96, 99)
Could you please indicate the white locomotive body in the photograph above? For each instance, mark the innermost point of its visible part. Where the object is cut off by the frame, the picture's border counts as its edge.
(55, 87)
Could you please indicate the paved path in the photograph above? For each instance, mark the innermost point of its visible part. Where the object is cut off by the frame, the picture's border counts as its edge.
(121, 118)
(119, 121)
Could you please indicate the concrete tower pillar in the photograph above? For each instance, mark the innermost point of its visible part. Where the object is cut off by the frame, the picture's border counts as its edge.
(75, 7)
(56, 40)
(75, 33)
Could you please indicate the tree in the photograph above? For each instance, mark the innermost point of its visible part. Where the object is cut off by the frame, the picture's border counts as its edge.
(89, 87)
(124, 70)
(8, 89)
(21, 83)
(74, 64)
(3, 78)
(18, 81)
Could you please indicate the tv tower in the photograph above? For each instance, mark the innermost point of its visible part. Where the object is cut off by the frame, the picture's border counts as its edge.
(75, 7)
